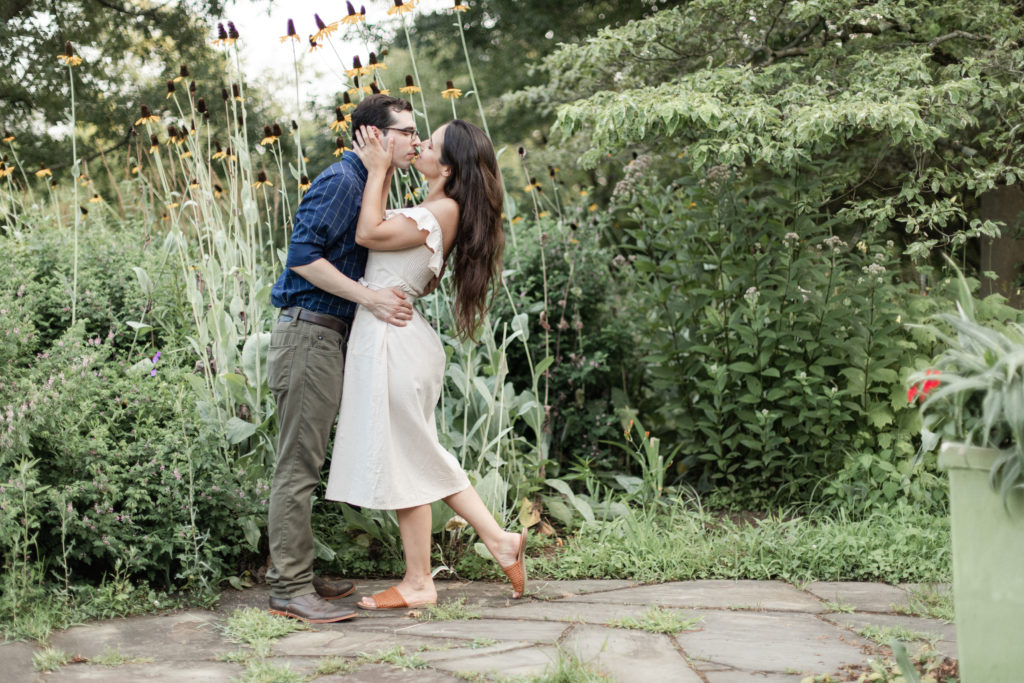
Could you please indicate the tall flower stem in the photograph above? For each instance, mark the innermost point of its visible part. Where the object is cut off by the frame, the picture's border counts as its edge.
(472, 78)
(300, 167)
(75, 210)
(416, 74)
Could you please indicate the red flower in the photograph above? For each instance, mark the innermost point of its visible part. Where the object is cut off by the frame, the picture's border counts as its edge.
(920, 390)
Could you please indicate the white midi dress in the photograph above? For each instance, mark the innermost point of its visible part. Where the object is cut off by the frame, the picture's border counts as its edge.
(386, 452)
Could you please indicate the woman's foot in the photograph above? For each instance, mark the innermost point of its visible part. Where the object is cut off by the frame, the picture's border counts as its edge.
(512, 560)
(414, 594)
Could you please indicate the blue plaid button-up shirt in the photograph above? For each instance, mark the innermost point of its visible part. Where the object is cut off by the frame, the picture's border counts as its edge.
(325, 227)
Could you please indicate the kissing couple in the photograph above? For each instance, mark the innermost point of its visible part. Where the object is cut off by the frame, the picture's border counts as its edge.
(349, 344)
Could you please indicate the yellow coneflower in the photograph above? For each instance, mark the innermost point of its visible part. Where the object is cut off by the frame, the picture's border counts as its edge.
(339, 146)
(217, 191)
(304, 183)
(172, 205)
(85, 211)
(693, 205)
(352, 17)
(84, 180)
(346, 103)
(69, 58)
(95, 199)
(402, 7)
(451, 92)
(8, 136)
(43, 171)
(231, 155)
(365, 89)
(323, 30)
(182, 74)
(313, 45)
(583, 193)
(170, 90)
(232, 34)
(534, 185)
(291, 35)
(277, 131)
(592, 208)
(374, 64)
(261, 180)
(236, 92)
(220, 153)
(552, 171)
(376, 90)
(340, 121)
(154, 144)
(409, 86)
(194, 184)
(147, 116)
(543, 214)
(459, 7)
(268, 136)
(516, 219)
(222, 35)
(135, 170)
(357, 68)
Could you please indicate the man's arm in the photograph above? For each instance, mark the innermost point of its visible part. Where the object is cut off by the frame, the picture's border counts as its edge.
(389, 305)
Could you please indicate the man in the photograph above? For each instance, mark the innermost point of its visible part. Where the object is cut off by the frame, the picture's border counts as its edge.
(318, 294)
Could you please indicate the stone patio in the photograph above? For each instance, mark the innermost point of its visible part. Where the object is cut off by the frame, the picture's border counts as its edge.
(745, 632)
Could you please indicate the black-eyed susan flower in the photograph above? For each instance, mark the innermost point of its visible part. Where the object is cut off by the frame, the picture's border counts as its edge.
(352, 17)
(95, 199)
(346, 103)
(193, 184)
(409, 86)
(182, 74)
(339, 146)
(592, 208)
(172, 205)
(543, 214)
(192, 87)
(217, 191)
(340, 121)
(236, 92)
(222, 35)
(147, 116)
(459, 7)
(43, 171)
(357, 68)
(583, 193)
(261, 180)
(201, 106)
(268, 136)
(533, 185)
(365, 89)
(304, 183)
(220, 153)
(154, 144)
(8, 136)
(402, 7)
(276, 130)
(323, 30)
(224, 94)
(552, 171)
(374, 65)
(291, 34)
(313, 45)
(522, 150)
(450, 91)
(516, 219)
(170, 90)
(69, 58)
(377, 90)
(232, 34)
(83, 210)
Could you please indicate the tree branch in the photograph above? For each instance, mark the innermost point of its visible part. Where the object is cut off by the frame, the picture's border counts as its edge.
(954, 34)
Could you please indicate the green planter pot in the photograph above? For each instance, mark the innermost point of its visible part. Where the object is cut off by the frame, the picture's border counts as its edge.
(988, 568)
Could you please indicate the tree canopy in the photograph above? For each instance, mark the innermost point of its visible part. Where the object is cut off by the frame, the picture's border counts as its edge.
(903, 114)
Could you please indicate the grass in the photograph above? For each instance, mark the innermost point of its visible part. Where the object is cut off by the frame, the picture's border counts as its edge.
(394, 656)
(49, 659)
(262, 671)
(258, 628)
(658, 620)
(569, 668)
(482, 642)
(334, 665)
(680, 541)
(452, 610)
(884, 635)
(838, 606)
(928, 601)
(111, 657)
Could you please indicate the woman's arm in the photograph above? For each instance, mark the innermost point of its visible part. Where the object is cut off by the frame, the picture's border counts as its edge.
(372, 231)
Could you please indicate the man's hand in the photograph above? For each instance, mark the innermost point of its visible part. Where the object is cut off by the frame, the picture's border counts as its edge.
(435, 281)
(391, 306)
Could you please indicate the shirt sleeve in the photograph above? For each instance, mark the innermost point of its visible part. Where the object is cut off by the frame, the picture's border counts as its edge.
(328, 210)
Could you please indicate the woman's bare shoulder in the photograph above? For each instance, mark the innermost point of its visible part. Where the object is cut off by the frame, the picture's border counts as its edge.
(445, 210)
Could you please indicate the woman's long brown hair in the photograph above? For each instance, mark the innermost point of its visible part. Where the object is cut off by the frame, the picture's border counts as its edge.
(475, 183)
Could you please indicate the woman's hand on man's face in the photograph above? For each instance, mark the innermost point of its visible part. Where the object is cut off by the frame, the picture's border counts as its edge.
(374, 151)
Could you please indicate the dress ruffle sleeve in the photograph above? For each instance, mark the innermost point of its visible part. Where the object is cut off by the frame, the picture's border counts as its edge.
(426, 221)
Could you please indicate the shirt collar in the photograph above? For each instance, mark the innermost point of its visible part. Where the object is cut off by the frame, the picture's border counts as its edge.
(352, 160)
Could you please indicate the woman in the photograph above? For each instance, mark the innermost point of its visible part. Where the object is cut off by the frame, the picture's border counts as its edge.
(386, 452)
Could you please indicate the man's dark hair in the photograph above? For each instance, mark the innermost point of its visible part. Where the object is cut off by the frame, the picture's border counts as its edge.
(377, 110)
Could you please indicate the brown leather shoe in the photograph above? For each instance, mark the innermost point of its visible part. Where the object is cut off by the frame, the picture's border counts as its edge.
(332, 590)
(310, 608)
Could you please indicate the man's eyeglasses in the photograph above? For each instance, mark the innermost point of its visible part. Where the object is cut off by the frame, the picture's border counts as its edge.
(411, 132)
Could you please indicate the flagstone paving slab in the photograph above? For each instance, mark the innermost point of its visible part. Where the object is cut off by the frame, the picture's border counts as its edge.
(945, 634)
(630, 655)
(525, 662)
(749, 677)
(561, 610)
(191, 635)
(383, 673)
(166, 672)
(870, 597)
(776, 642)
(497, 629)
(16, 660)
(723, 594)
(338, 644)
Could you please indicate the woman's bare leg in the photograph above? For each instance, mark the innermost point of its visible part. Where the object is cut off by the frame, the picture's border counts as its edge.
(504, 545)
(417, 586)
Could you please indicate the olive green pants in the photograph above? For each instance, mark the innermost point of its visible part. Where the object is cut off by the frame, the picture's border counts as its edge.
(305, 367)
